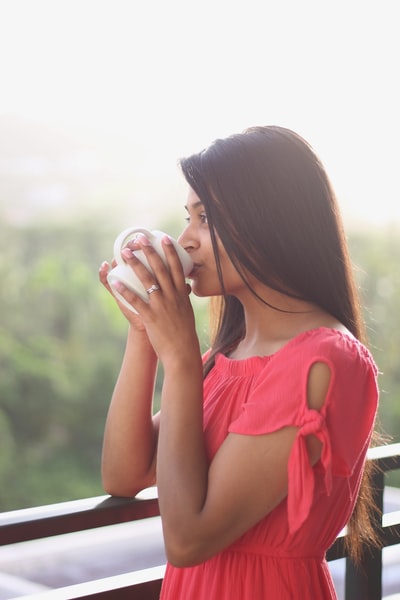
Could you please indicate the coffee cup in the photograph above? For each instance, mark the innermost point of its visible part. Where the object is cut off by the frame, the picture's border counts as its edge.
(123, 272)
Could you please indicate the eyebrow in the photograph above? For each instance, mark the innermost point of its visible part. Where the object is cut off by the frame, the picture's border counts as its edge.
(195, 205)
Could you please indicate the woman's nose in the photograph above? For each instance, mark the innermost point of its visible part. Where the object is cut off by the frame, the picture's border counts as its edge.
(182, 239)
(186, 239)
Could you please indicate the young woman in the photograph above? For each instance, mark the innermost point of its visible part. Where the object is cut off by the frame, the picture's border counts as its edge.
(259, 447)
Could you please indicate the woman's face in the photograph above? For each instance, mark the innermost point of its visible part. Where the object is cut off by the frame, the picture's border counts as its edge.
(196, 240)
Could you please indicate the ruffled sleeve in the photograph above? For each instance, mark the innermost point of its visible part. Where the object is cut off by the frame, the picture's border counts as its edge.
(343, 426)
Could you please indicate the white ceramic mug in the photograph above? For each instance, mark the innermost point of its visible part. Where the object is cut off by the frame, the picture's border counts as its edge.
(123, 272)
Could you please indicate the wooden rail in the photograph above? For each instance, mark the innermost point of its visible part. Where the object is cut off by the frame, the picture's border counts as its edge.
(364, 583)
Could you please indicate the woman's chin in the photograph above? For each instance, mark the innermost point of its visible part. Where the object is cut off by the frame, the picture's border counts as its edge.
(197, 292)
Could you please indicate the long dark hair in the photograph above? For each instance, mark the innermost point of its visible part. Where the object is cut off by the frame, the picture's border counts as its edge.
(268, 198)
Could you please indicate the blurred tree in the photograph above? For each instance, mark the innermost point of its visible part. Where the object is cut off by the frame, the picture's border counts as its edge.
(377, 257)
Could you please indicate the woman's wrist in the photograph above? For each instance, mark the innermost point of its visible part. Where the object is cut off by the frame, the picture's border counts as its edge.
(140, 340)
(184, 361)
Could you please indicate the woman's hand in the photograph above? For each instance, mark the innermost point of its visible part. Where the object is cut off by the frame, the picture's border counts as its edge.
(131, 432)
(133, 318)
(168, 315)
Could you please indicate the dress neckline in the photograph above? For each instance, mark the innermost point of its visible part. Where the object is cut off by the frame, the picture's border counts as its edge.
(252, 364)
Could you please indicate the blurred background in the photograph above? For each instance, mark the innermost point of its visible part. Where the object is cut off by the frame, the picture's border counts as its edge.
(98, 100)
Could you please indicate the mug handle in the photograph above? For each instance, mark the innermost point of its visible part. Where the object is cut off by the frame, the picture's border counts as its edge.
(124, 237)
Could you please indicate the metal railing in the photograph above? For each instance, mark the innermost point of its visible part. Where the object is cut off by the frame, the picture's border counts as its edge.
(363, 583)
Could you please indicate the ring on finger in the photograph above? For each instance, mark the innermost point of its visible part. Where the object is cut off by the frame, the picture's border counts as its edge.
(152, 289)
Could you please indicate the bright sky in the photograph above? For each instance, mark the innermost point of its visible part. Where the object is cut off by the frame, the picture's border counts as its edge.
(176, 74)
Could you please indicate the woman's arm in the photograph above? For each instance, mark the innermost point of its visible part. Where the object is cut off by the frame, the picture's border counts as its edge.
(130, 437)
(205, 507)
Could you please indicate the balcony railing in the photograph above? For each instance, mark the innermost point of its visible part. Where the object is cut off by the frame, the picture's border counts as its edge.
(363, 583)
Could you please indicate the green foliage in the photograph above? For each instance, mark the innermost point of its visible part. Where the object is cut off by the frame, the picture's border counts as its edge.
(62, 339)
(376, 255)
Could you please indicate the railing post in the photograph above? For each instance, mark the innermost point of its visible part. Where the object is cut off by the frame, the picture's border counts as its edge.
(364, 582)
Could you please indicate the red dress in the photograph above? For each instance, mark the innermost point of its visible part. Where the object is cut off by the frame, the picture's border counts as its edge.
(283, 556)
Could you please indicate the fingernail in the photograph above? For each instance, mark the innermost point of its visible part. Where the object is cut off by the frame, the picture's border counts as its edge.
(167, 240)
(119, 286)
(126, 253)
(143, 240)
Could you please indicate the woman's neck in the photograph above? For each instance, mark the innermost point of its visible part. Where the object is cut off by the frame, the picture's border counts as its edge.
(269, 329)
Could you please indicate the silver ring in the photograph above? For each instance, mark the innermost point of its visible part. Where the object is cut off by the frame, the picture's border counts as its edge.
(153, 288)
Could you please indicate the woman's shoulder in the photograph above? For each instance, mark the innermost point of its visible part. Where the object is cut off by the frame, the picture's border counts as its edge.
(328, 344)
(279, 394)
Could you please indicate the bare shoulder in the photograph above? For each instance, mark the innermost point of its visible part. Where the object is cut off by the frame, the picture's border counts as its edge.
(318, 381)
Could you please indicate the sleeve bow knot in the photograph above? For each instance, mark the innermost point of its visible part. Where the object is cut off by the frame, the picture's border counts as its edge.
(301, 474)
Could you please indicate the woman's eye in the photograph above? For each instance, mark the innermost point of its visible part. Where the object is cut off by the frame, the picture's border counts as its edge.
(202, 218)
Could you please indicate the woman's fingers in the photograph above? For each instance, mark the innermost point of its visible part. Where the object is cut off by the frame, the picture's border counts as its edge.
(103, 272)
(168, 274)
(165, 285)
(174, 264)
(146, 277)
(169, 277)
(133, 299)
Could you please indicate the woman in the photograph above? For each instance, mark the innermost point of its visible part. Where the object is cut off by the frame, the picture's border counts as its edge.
(259, 447)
